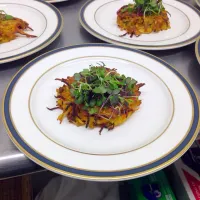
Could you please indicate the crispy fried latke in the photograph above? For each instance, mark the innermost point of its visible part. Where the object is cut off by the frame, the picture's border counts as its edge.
(136, 23)
(10, 27)
(104, 115)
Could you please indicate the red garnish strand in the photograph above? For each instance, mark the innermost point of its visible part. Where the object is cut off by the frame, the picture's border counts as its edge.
(54, 108)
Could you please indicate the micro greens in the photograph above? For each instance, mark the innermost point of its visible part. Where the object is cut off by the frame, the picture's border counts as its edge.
(144, 7)
(99, 86)
(4, 16)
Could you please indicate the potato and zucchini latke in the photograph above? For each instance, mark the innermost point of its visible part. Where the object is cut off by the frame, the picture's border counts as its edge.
(97, 97)
(11, 26)
(143, 17)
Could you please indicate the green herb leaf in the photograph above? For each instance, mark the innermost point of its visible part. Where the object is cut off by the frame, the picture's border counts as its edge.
(124, 9)
(139, 2)
(116, 91)
(86, 104)
(79, 100)
(148, 7)
(109, 91)
(99, 102)
(85, 107)
(153, 3)
(130, 9)
(114, 100)
(77, 76)
(74, 93)
(156, 9)
(130, 93)
(128, 80)
(86, 94)
(107, 78)
(85, 72)
(97, 90)
(9, 17)
(93, 86)
(91, 79)
(93, 111)
(121, 99)
(100, 90)
(133, 81)
(113, 85)
(92, 102)
(129, 100)
(131, 84)
(101, 72)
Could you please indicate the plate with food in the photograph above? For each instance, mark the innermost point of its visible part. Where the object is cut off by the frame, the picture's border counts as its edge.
(101, 112)
(26, 27)
(197, 49)
(142, 24)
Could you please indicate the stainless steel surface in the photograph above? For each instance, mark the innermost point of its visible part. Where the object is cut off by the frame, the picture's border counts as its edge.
(12, 162)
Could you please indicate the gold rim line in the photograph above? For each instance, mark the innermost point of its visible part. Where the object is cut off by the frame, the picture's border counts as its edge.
(95, 178)
(154, 56)
(108, 178)
(93, 153)
(39, 47)
(97, 170)
(197, 50)
(132, 46)
(115, 170)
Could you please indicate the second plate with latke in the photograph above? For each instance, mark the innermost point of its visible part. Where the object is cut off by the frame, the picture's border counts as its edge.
(99, 17)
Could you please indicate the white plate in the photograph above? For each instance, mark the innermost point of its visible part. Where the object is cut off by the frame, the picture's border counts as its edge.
(197, 49)
(98, 17)
(154, 136)
(44, 18)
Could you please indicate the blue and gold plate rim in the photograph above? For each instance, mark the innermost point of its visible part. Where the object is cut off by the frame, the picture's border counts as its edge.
(98, 175)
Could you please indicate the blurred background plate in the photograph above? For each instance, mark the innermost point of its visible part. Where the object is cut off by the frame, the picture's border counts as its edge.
(55, 1)
(99, 18)
(198, 2)
(197, 49)
(43, 18)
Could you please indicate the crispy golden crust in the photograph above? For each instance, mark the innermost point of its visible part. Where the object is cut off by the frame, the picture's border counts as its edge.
(137, 24)
(10, 28)
(106, 117)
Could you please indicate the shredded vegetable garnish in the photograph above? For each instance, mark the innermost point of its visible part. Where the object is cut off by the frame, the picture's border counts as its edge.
(11, 26)
(97, 97)
(144, 16)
